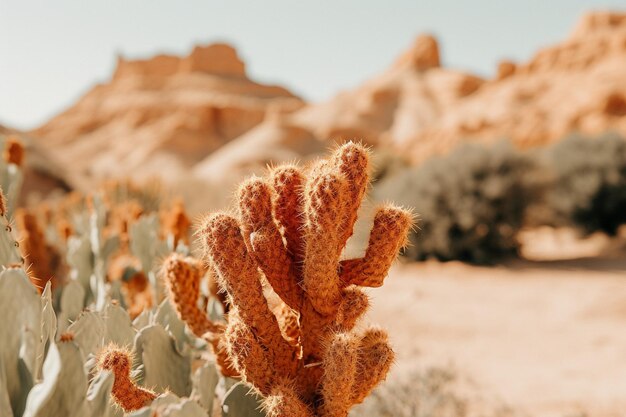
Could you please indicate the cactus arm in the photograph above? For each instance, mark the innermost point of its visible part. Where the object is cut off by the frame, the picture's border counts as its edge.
(238, 275)
(324, 198)
(288, 182)
(264, 241)
(340, 365)
(388, 236)
(375, 357)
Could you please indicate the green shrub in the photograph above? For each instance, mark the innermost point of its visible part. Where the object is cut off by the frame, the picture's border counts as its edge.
(471, 203)
(589, 188)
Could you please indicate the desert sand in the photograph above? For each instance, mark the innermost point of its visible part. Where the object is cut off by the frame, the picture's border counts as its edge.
(542, 338)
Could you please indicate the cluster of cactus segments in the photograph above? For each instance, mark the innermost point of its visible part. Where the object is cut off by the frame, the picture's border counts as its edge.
(112, 315)
(293, 302)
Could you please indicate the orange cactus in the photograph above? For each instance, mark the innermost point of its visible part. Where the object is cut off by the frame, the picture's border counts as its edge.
(126, 393)
(137, 293)
(303, 355)
(176, 224)
(41, 257)
(182, 277)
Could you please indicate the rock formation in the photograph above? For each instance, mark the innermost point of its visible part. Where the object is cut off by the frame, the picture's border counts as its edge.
(162, 115)
(201, 112)
(578, 85)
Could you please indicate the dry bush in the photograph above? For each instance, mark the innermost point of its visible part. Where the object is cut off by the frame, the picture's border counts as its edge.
(471, 203)
(589, 190)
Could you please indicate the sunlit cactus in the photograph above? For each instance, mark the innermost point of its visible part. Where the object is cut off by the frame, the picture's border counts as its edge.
(182, 276)
(291, 230)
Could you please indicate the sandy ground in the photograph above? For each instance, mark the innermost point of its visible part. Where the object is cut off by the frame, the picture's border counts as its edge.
(546, 338)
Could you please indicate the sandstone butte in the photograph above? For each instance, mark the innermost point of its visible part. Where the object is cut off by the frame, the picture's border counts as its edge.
(202, 114)
(162, 115)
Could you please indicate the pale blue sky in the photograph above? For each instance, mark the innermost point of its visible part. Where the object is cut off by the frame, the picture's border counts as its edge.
(52, 51)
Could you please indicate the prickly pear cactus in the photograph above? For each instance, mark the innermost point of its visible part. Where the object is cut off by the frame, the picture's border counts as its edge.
(146, 246)
(20, 336)
(62, 392)
(240, 401)
(164, 366)
(9, 252)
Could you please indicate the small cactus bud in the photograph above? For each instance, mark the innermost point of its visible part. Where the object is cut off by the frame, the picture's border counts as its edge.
(182, 277)
(284, 402)
(66, 337)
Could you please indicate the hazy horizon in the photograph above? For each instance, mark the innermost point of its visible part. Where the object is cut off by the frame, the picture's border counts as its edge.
(53, 52)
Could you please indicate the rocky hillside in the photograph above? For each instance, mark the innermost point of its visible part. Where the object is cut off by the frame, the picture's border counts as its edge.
(162, 115)
(201, 113)
(578, 85)
(419, 108)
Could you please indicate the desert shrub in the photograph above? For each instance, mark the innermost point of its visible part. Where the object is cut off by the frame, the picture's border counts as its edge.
(589, 189)
(471, 203)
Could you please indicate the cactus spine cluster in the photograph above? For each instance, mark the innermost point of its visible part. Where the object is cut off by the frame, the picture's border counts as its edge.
(301, 352)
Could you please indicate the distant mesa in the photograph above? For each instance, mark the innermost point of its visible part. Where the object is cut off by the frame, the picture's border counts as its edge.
(217, 59)
(162, 115)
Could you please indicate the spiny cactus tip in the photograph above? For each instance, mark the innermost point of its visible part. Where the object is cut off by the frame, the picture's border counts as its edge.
(126, 394)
